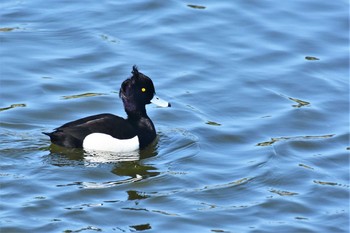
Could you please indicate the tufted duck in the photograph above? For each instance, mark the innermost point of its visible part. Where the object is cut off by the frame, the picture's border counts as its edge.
(107, 132)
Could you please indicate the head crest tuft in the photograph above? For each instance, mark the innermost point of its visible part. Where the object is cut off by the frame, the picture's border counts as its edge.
(135, 71)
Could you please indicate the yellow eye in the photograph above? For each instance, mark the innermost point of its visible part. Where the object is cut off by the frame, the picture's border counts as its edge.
(143, 89)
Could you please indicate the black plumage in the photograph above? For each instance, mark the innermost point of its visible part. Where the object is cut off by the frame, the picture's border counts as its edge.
(136, 92)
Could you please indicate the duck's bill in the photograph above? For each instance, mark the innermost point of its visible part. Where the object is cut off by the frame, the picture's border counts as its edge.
(160, 102)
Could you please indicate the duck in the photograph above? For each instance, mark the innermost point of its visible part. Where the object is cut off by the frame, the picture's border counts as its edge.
(108, 132)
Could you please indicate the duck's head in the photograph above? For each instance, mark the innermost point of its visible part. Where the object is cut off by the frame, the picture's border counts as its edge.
(137, 91)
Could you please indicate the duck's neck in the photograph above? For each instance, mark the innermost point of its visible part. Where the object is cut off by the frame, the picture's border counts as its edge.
(144, 127)
(134, 110)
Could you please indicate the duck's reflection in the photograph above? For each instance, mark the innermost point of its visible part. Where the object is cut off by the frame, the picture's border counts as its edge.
(135, 195)
(122, 164)
(142, 227)
(93, 158)
(134, 169)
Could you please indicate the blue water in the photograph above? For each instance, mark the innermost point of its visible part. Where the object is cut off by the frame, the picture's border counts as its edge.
(257, 139)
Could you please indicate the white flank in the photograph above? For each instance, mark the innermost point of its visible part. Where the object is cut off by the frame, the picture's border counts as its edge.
(105, 142)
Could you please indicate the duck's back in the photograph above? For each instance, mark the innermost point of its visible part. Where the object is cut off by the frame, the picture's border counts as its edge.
(72, 134)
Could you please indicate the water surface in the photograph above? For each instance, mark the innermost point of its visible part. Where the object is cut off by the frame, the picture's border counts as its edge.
(257, 139)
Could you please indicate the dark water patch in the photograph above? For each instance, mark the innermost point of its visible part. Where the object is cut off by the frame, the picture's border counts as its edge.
(213, 123)
(310, 58)
(330, 183)
(9, 29)
(89, 228)
(13, 106)
(67, 97)
(196, 6)
(219, 231)
(142, 227)
(109, 38)
(274, 140)
(283, 193)
(306, 166)
(301, 103)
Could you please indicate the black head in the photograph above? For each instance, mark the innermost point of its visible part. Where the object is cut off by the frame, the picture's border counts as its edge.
(136, 91)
